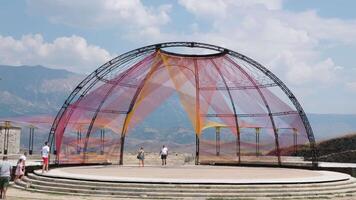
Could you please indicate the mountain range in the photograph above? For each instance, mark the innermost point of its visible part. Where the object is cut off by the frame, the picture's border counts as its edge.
(38, 90)
(34, 90)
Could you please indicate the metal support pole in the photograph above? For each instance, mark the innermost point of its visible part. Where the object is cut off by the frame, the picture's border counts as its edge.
(238, 143)
(238, 139)
(102, 138)
(196, 149)
(154, 67)
(197, 111)
(79, 140)
(122, 143)
(7, 141)
(30, 140)
(257, 141)
(266, 105)
(56, 161)
(6, 137)
(217, 141)
(295, 140)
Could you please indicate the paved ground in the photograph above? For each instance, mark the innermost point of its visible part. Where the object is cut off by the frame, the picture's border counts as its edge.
(14, 193)
(17, 194)
(196, 174)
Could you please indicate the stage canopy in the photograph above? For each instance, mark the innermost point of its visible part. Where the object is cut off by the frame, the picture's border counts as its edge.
(253, 116)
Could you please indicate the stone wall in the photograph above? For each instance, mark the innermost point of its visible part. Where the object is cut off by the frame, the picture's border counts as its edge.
(14, 140)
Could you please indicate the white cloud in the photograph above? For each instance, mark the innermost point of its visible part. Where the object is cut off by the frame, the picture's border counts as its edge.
(221, 8)
(212, 8)
(127, 15)
(296, 46)
(351, 86)
(71, 53)
(289, 43)
(331, 29)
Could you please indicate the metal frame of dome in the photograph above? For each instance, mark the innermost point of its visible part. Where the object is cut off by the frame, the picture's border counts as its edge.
(98, 75)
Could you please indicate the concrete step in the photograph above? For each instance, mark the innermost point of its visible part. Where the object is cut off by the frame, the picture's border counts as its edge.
(206, 186)
(39, 183)
(210, 189)
(18, 186)
(163, 193)
(186, 198)
(208, 195)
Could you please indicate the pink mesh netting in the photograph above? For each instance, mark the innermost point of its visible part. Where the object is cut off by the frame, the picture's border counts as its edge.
(220, 94)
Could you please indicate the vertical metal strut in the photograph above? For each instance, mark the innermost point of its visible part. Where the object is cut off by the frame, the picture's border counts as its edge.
(30, 140)
(104, 99)
(79, 140)
(86, 85)
(102, 141)
(266, 105)
(217, 140)
(197, 111)
(132, 104)
(292, 98)
(257, 142)
(238, 142)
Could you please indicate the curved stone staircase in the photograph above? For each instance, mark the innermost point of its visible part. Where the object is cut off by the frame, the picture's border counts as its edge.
(329, 190)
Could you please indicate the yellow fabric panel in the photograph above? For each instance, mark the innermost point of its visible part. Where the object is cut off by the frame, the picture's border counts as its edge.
(187, 100)
(211, 124)
(142, 94)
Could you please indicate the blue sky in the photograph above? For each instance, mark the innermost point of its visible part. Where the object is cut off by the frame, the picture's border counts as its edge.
(310, 45)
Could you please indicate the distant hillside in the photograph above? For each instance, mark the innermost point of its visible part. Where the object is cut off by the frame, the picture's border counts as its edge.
(31, 90)
(34, 90)
(341, 149)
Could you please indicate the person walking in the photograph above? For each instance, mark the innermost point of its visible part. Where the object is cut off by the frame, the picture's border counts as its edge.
(5, 174)
(164, 154)
(20, 169)
(45, 155)
(141, 157)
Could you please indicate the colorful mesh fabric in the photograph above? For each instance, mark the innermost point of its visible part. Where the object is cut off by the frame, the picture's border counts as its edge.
(218, 93)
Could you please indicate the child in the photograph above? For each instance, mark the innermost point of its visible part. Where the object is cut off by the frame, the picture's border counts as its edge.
(20, 169)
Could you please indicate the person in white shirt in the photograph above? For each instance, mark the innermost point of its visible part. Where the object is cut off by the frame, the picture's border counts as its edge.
(164, 154)
(45, 155)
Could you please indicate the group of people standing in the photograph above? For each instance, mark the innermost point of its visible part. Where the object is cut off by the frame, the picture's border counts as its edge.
(163, 154)
(6, 169)
(5, 173)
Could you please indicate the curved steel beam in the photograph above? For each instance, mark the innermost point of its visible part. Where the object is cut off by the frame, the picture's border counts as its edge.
(291, 96)
(105, 98)
(197, 112)
(111, 65)
(85, 86)
(132, 104)
(108, 67)
(266, 105)
(238, 142)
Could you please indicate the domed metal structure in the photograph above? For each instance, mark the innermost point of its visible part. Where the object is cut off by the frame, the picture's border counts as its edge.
(225, 90)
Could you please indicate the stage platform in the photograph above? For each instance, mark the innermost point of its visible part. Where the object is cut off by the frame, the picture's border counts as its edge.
(190, 182)
(195, 174)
